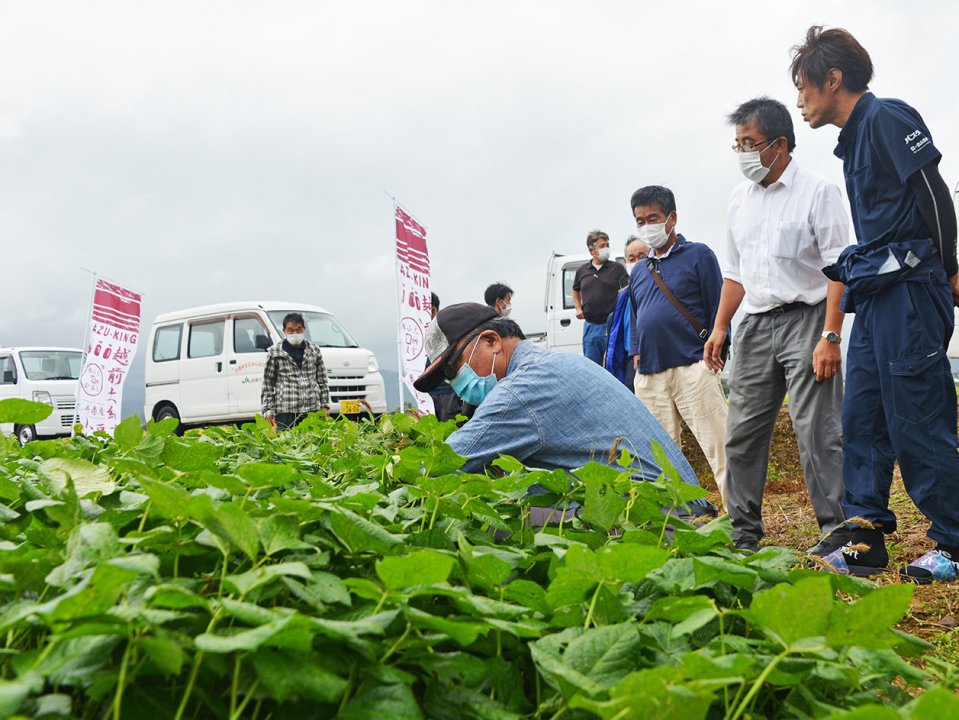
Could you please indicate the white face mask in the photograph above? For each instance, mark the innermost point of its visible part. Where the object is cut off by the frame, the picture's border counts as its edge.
(295, 339)
(506, 311)
(654, 235)
(603, 254)
(629, 267)
(751, 164)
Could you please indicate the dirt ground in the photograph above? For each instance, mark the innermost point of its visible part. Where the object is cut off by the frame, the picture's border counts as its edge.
(790, 522)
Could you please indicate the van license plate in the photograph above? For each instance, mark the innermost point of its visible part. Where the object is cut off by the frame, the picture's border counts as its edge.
(350, 407)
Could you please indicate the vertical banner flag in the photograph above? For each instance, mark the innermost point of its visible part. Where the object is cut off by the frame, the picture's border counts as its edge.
(413, 269)
(111, 344)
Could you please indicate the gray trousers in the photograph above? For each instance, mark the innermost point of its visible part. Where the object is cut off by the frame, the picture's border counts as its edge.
(773, 355)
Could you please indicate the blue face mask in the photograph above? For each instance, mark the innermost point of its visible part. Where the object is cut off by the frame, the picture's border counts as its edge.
(470, 387)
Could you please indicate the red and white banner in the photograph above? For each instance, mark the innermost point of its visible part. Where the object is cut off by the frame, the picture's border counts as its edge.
(413, 269)
(111, 344)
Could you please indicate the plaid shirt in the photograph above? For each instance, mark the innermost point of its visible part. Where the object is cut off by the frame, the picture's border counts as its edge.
(291, 389)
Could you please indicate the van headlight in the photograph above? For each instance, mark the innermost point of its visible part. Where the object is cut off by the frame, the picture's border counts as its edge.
(42, 396)
(372, 366)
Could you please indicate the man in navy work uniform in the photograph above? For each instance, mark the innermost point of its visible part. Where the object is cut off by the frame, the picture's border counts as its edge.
(672, 379)
(595, 288)
(902, 282)
(525, 397)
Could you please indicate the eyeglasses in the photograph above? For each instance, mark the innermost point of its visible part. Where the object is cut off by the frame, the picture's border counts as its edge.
(751, 147)
(450, 369)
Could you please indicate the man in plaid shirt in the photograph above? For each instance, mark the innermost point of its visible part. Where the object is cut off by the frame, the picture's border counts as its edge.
(294, 381)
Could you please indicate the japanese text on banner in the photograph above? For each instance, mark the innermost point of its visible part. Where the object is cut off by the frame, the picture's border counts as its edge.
(112, 342)
(413, 267)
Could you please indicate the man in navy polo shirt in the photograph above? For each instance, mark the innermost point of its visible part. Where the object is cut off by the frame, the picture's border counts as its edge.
(666, 349)
(902, 281)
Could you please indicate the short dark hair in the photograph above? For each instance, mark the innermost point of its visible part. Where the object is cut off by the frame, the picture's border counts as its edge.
(771, 117)
(504, 327)
(654, 195)
(496, 291)
(824, 50)
(434, 301)
(593, 236)
(293, 317)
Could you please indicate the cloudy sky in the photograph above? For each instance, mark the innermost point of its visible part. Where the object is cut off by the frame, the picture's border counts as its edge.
(210, 151)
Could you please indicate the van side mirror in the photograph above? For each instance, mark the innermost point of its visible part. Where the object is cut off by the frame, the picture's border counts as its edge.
(262, 342)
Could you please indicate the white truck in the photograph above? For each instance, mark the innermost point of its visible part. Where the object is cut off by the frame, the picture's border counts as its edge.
(564, 331)
(42, 374)
(204, 365)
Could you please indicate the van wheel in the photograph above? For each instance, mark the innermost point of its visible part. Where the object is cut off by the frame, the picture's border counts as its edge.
(25, 433)
(168, 411)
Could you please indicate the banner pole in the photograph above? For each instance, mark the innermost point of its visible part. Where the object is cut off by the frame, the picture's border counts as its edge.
(86, 347)
(399, 328)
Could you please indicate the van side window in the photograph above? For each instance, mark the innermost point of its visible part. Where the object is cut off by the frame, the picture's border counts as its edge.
(569, 275)
(245, 332)
(206, 339)
(166, 343)
(8, 371)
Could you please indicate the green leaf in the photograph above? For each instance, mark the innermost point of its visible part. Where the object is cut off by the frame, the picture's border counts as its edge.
(587, 661)
(244, 583)
(776, 610)
(267, 475)
(278, 533)
(462, 631)
(233, 524)
(128, 433)
(868, 621)
(935, 704)
(164, 653)
(287, 675)
(23, 412)
(603, 505)
(361, 535)
(423, 567)
(653, 694)
(393, 701)
(629, 562)
(689, 613)
(244, 639)
(87, 477)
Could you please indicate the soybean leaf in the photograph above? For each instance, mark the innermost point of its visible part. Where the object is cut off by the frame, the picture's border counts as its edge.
(244, 583)
(164, 653)
(23, 412)
(286, 675)
(423, 567)
(128, 433)
(394, 701)
(790, 613)
(867, 622)
(87, 477)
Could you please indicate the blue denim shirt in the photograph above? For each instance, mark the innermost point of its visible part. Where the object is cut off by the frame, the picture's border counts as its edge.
(559, 410)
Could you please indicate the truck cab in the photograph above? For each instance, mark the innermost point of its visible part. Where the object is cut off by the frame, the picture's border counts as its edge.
(42, 374)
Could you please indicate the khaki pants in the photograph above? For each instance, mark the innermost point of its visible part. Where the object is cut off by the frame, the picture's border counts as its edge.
(692, 393)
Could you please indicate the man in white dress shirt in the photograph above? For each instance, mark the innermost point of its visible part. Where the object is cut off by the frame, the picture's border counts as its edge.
(784, 225)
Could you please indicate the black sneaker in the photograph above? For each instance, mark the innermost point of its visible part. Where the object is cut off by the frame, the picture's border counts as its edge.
(865, 554)
(836, 538)
(748, 546)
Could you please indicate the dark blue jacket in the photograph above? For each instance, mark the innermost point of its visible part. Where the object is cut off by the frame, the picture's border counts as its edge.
(661, 336)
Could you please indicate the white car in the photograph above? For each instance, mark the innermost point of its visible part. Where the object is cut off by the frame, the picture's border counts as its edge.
(42, 374)
(205, 365)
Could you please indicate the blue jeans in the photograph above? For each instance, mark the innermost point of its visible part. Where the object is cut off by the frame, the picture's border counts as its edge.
(594, 341)
(900, 403)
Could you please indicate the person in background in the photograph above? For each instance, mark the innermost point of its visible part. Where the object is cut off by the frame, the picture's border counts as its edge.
(784, 225)
(675, 296)
(902, 282)
(294, 379)
(446, 406)
(499, 297)
(595, 289)
(619, 326)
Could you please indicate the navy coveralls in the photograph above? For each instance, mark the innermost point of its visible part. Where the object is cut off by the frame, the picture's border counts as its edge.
(900, 400)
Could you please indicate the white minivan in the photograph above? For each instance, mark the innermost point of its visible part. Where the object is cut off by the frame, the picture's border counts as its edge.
(205, 364)
(42, 374)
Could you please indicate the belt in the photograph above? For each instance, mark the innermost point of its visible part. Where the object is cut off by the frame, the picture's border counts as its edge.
(779, 310)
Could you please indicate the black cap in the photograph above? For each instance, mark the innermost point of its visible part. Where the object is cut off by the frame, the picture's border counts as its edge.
(451, 325)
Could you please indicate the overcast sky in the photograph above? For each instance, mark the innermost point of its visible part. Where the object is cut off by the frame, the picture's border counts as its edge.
(210, 151)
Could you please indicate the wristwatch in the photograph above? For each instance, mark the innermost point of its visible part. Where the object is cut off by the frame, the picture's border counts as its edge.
(831, 337)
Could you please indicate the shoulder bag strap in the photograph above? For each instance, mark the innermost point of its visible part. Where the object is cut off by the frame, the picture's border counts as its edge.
(658, 279)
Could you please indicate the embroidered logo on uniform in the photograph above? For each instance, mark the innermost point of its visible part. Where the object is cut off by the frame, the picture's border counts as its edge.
(919, 145)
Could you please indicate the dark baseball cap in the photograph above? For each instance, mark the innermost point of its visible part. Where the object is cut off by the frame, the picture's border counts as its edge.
(450, 325)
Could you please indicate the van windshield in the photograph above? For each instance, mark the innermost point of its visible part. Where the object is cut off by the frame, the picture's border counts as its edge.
(51, 364)
(321, 329)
